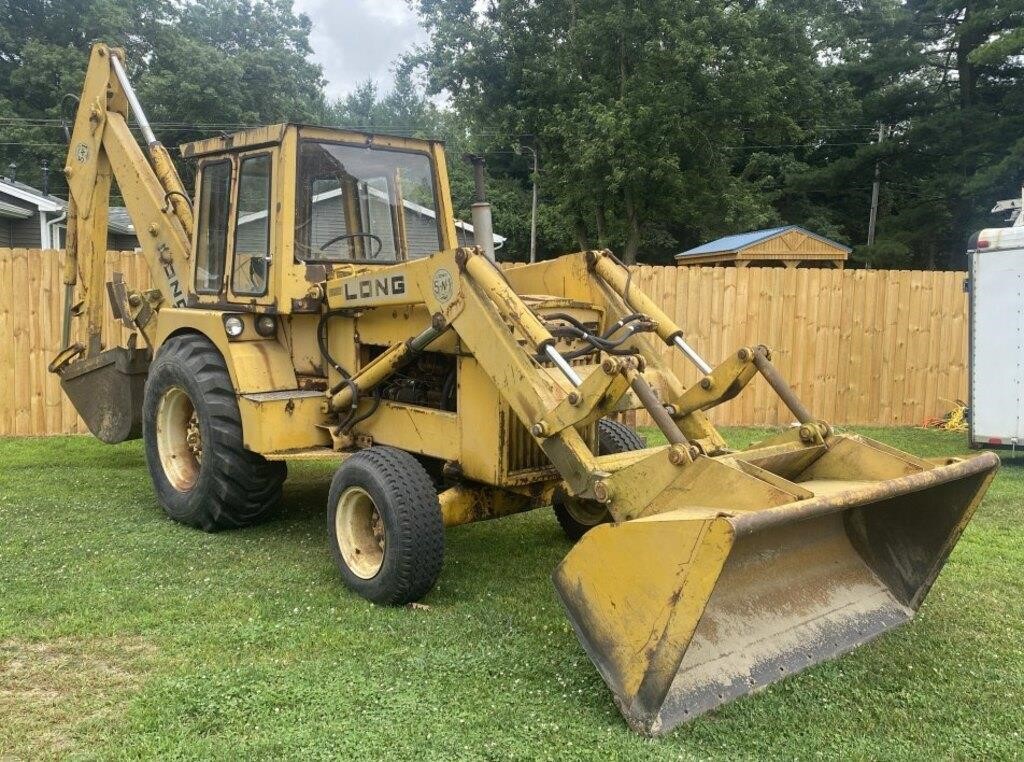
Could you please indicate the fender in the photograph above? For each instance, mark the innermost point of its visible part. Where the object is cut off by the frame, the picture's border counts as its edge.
(255, 365)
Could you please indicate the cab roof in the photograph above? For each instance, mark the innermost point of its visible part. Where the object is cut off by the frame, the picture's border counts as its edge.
(273, 134)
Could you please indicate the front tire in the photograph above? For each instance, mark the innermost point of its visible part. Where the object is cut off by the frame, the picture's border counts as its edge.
(576, 516)
(385, 526)
(202, 474)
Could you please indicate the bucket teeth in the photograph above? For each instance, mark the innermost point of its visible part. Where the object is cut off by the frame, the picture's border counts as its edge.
(689, 608)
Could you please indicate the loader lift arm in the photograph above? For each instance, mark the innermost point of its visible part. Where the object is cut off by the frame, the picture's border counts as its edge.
(554, 409)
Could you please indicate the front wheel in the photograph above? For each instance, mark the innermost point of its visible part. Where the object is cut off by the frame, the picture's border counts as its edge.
(385, 526)
(202, 474)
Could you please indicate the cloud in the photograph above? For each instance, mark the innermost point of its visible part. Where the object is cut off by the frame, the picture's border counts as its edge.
(356, 40)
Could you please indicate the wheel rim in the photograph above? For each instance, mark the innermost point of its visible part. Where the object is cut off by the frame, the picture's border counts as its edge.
(360, 531)
(178, 439)
(586, 512)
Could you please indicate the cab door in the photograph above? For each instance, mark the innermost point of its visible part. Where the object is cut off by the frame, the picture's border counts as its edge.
(235, 240)
(254, 230)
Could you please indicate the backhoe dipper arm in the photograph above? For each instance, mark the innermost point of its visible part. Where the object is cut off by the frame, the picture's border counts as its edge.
(103, 149)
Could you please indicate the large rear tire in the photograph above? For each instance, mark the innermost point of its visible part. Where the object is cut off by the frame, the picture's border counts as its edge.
(385, 526)
(201, 471)
(577, 517)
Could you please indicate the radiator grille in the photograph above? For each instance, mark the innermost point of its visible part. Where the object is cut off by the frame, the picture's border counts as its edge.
(524, 454)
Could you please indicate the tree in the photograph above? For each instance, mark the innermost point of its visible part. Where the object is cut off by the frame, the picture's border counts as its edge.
(644, 111)
(404, 110)
(945, 77)
(198, 68)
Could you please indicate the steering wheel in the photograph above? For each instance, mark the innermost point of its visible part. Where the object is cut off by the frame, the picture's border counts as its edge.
(345, 236)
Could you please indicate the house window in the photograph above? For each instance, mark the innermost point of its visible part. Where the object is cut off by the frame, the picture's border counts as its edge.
(252, 227)
(212, 232)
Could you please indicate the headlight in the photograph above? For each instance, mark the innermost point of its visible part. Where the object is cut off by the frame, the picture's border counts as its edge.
(265, 325)
(233, 326)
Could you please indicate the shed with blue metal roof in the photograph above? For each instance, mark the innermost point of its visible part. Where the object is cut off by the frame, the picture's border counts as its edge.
(789, 246)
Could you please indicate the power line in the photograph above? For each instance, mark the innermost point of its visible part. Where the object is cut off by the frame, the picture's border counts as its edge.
(215, 126)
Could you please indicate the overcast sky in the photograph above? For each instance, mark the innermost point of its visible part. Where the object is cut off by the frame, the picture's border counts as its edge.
(355, 40)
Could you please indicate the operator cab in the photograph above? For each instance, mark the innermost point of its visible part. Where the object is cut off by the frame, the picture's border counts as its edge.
(279, 207)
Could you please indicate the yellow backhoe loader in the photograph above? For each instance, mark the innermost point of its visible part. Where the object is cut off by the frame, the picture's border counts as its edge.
(311, 300)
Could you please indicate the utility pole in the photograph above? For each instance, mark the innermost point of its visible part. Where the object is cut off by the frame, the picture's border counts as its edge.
(872, 218)
(533, 212)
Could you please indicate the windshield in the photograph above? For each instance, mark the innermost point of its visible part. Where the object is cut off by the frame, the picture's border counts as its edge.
(355, 203)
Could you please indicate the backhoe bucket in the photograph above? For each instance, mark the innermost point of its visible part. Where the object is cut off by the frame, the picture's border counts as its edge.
(686, 609)
(106, 390)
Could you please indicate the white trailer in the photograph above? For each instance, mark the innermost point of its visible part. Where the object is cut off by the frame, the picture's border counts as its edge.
(996, 338)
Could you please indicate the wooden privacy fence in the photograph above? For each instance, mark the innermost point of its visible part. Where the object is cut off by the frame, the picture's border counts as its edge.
(883, 347)
(31, 315)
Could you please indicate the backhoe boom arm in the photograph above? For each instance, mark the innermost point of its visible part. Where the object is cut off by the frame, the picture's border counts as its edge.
(104, 150)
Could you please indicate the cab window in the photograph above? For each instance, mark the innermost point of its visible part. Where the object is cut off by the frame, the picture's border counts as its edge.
(357, 203)
(212, 229)
(252, 227)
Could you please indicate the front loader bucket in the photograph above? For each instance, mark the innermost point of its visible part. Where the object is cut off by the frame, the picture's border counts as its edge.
(692, 607)
(106, 390)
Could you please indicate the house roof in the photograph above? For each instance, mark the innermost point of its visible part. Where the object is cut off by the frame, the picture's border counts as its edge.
(36, 197)
(499, 240)
(742, 241)
(118, 221)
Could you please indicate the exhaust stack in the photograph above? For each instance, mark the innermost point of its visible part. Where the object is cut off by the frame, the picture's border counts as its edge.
(483, 229)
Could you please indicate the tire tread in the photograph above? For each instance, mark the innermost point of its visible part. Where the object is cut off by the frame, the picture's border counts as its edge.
(412, 498)
(243, 488)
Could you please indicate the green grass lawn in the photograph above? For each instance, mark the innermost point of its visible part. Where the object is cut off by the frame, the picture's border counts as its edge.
(123, 634)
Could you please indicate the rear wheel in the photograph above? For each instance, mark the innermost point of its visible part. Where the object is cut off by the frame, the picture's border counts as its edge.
(201, 471)
(577, 516)
(385, 526)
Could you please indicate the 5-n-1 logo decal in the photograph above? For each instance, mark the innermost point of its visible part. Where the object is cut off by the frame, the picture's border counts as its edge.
(443, 286)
